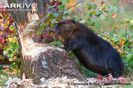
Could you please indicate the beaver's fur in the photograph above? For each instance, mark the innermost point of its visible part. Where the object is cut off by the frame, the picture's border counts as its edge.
(94, 53)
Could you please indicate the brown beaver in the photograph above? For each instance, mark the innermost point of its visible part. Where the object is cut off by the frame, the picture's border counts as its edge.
(94, 53)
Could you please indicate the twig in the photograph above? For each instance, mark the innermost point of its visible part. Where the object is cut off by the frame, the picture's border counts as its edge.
(74, 5)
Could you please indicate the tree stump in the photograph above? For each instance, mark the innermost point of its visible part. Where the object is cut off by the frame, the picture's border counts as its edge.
(43, 61)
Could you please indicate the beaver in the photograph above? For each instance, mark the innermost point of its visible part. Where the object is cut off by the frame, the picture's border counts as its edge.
(93, 52)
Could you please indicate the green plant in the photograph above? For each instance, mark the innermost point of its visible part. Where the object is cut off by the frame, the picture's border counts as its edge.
(122, 40)
(3, 77)
(55, 13)
(92, 12)
(8, 37)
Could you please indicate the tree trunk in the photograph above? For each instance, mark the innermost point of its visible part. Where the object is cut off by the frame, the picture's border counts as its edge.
(41, 60)
(20, 16)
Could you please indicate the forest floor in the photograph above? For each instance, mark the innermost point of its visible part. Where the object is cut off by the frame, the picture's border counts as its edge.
(9, 79)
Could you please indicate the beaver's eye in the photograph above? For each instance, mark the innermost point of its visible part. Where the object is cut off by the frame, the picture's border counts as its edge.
(73, 21)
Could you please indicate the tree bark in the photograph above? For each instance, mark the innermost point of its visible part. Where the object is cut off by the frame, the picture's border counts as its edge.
(41, 60)
(44, 61)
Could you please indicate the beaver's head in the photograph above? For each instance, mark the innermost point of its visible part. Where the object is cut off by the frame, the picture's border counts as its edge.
(65, 28)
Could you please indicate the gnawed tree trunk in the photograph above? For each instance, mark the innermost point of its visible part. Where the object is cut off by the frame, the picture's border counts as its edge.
(41, 60)
(44, 61)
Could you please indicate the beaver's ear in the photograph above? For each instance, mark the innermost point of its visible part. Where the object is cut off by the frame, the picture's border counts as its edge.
(73, 21)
